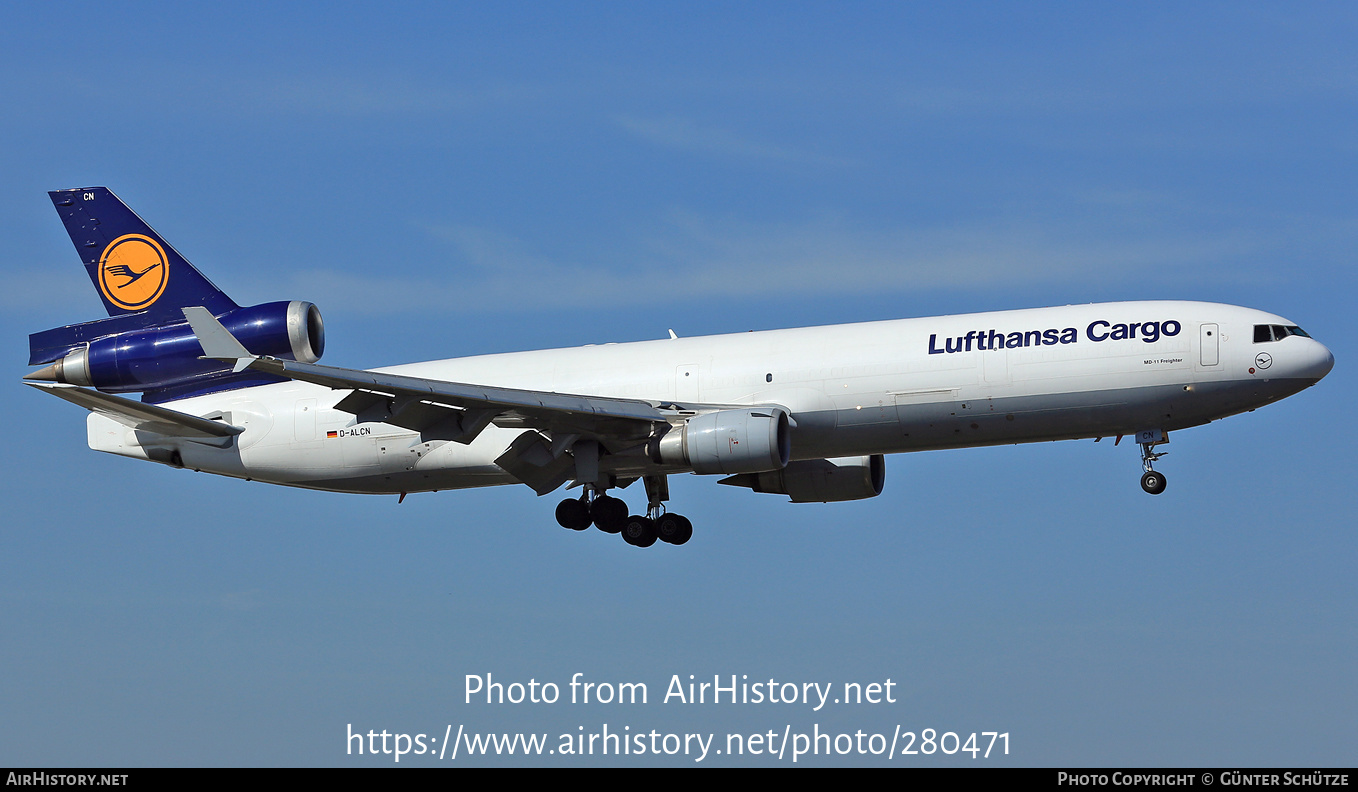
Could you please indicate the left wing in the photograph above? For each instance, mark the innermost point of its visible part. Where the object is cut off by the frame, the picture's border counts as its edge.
(456, 411)
(399, 397)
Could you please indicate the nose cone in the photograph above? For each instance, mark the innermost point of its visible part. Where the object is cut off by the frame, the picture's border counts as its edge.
(1315, 362)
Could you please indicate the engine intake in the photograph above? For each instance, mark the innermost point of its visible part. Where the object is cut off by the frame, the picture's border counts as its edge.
(728, 441)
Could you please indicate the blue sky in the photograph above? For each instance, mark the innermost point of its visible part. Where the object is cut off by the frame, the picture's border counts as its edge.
(459, 179)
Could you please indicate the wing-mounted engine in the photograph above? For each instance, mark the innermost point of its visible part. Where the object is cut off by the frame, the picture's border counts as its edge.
(748, 440)
(820, 480)
(108, 356)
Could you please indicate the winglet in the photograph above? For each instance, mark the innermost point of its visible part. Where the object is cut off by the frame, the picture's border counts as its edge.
(217, 341)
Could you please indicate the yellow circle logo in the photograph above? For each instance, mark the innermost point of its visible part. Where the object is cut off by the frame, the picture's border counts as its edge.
(133, 272)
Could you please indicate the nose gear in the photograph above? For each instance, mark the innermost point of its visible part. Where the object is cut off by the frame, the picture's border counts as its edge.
(1152, 481)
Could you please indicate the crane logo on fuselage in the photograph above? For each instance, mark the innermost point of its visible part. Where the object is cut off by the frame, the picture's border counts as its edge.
(1098, 330)
(133, 272)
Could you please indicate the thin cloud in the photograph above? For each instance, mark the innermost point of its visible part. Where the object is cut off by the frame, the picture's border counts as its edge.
(684, 135)
(194, 93)
(33, 291)
(689, 256)
(944, 101)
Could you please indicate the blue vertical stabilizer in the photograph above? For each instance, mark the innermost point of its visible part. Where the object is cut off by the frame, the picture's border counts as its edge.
(133, 269)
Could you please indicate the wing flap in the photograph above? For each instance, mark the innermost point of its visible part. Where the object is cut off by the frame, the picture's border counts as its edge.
(433, 421)
(529, 460)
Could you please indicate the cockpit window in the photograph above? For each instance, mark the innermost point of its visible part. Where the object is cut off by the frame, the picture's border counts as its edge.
(1266, 333)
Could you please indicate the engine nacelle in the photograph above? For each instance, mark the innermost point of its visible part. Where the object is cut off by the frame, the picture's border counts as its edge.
(168, 355)
(728, 441)
(820, 480)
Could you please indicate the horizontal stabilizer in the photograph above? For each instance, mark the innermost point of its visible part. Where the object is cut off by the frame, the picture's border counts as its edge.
(144, 417)
(217, 341)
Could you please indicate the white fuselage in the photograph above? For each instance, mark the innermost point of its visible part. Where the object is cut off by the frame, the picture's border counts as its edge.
(871, 388)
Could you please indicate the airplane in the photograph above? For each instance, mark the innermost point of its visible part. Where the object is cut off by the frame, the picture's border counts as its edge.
(809, 413)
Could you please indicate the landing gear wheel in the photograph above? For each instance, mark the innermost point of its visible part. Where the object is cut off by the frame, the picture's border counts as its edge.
(687, 532)
(608, 513)
(674, 528)
(573, 513)
(638, 531)
(1153, 482)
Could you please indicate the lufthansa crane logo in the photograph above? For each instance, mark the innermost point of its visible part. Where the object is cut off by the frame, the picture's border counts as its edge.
(1263, 360)
(133, 272)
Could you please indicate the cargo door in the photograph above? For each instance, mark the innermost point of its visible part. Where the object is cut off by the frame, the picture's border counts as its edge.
(304, 420)
(1210, 341)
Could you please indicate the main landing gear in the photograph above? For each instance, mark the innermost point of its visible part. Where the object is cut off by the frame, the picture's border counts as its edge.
(609, 514)
(1151, 481)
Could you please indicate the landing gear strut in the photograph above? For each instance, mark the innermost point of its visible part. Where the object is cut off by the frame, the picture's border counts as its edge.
(1151, 481)
(672, 528)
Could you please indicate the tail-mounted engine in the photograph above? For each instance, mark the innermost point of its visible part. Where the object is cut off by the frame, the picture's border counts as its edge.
(105, 356)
